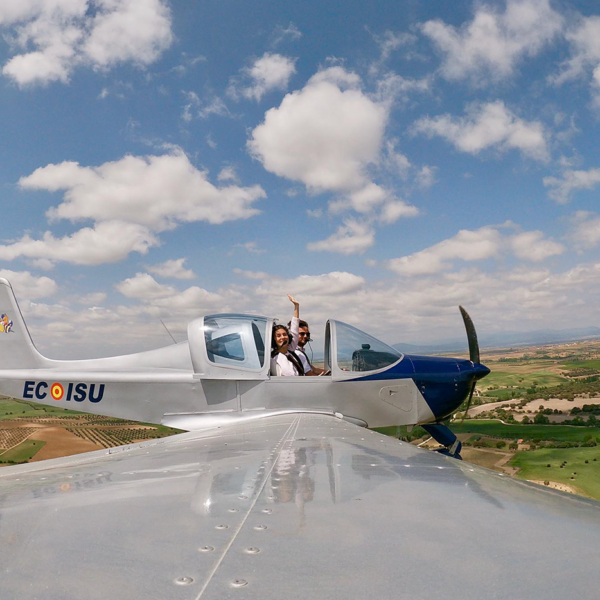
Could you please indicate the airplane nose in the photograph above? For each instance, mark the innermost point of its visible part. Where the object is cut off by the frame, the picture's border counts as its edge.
(480, 371)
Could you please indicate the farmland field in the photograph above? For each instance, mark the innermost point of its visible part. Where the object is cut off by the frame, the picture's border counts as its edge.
(26, 428)
(495, 429)
(24, 452)
(579, 474)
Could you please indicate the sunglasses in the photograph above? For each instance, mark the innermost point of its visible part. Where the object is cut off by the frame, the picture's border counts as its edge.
(302, 333)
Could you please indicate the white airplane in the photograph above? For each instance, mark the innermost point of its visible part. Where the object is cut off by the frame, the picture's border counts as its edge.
(278, 490)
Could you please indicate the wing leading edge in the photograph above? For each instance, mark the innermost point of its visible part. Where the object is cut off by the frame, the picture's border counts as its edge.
(294, 506)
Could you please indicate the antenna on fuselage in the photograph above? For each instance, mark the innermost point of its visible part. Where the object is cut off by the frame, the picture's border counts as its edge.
(167, 330)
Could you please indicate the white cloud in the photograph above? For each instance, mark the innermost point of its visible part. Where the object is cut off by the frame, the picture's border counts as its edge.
(188, 303)
(465, 245)
(106, 242)
(389, 42)
(128, 30)
(173, 269)
(363, 200)
(251, 247)
(129, 200)
(216, 106)
(425, 178)
(269, 72)
(394, 88)
(290, 32)
(28, 286)
(562, 188)
(195, 108)
(352, 237)
(480, 244)
(396, 209)
(324, 135)
(227, 174)
(490, 125)
(396, 162)
(155, 191)
(531, 245)
(92, 299)
(144, 287)
(584, 37)
(53, 38)
(585, 230)
(493, 43)
(335, 283)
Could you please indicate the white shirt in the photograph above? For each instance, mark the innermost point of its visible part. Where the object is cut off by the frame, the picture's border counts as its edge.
(282, 366)
(299, 352)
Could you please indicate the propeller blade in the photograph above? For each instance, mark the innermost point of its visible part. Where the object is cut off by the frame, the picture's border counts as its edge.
(468, 402)
(471, 337)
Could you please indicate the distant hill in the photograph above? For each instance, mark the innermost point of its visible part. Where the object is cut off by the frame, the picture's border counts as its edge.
(505, 339)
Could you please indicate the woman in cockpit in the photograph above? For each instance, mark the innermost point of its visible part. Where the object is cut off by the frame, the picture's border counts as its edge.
(283, 343)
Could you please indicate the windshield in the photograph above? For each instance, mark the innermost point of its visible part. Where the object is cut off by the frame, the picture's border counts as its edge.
(358, 351)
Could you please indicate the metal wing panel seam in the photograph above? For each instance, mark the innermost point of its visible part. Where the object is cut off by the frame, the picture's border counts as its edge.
(284, 438)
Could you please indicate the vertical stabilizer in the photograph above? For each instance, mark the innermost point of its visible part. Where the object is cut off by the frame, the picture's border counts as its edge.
(16, 346)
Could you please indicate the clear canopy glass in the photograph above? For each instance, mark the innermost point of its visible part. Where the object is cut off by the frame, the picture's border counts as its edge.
(236, 340)
(358, 351)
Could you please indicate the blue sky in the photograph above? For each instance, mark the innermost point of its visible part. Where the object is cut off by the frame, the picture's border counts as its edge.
(382, 162)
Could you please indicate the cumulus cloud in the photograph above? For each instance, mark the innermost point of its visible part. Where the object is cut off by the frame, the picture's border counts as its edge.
(29, 286)
(51, 39)
(396, 209)
(491, 45)
(130, 200)
(92, 299)
(584, 38)
(155, 191)
(531, 245)
(425, 310)
(335, 283)
(324, 135)
(490, 125)
(172, 269)
(144, 287)
(353, 237)
(480, 244)
(585, 230)
(394, 88)
(267, 73)
(106, 242)
(561, 189)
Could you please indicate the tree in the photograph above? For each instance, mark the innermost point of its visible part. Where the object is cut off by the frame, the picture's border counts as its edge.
(525, 420)
(541, 419)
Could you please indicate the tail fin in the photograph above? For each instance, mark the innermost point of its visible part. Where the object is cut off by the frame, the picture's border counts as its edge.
(16, 346)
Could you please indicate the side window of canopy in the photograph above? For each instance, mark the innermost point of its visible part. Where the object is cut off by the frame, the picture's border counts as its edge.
(235, 340)
(358, 351)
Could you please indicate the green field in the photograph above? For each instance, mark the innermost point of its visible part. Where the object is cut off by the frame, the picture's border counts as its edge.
(556, 433)
(516, 384)
(534, 465)
(25, 451)
(21, 408)
(582, 364)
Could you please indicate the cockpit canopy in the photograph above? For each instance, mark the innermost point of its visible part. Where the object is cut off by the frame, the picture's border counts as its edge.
(237, 346)
(349, 351)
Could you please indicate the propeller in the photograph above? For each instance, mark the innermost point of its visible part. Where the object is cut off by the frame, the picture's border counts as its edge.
(473, 352)
(440, 432)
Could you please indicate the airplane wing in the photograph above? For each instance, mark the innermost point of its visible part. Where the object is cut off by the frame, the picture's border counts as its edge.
(291, 506)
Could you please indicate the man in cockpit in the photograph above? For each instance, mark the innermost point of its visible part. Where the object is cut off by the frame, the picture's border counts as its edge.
(303, 339)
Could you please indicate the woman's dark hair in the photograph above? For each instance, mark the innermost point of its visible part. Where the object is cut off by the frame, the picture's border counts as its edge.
(274, 347)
